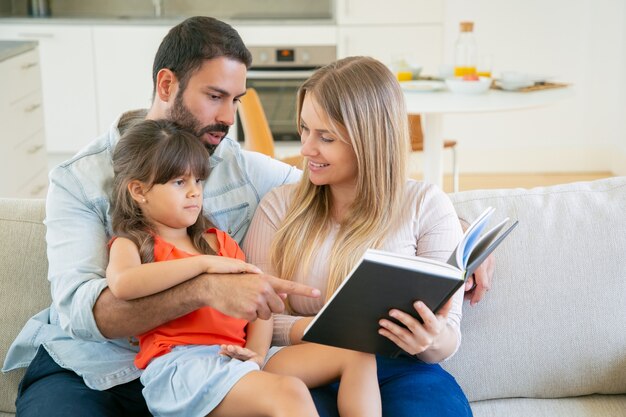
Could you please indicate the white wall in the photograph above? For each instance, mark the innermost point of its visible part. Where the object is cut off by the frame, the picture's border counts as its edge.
(577, 41)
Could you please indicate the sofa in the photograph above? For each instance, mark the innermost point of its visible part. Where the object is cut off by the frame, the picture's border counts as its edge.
(549, 339)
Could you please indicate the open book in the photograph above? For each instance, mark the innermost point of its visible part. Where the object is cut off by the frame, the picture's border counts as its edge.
(383, 280)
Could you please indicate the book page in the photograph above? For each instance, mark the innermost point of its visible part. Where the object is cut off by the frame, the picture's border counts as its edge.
(485, 240)
(480, 255)
(460, 255)
(432, 266)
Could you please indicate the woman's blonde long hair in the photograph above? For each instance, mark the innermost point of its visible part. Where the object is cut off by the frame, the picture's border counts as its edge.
(364, 106)
(154, 152)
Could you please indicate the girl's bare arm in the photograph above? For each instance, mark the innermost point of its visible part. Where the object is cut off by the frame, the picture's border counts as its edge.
(128, 278)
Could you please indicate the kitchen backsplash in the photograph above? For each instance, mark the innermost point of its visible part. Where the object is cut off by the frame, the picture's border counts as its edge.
(225, 9)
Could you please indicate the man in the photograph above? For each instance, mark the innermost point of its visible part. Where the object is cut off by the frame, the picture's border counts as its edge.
(79, 352)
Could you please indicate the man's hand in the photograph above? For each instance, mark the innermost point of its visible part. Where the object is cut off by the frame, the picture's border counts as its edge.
(480, 282)
(251, 296)
(246, 296)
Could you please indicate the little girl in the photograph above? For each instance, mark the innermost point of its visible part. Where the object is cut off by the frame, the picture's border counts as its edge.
(207, 363)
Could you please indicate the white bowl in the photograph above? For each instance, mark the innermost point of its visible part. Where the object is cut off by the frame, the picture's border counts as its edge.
(461, 86)
(514, 85)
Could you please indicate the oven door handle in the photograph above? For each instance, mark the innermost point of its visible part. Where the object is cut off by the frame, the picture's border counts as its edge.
(280, 75)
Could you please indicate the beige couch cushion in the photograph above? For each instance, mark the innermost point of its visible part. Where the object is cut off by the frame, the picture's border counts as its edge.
(588, 406)
(24, 287)
(554, 324)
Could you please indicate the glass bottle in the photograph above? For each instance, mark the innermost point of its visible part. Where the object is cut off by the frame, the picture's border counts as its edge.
(465, 55)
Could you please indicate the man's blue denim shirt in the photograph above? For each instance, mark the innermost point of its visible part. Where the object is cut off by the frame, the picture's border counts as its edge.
(78, 230)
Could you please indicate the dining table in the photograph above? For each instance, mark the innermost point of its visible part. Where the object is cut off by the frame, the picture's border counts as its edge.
(433, 105)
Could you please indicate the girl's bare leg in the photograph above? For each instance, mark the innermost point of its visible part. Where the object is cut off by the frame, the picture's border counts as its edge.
(317, 365)
(264, 394)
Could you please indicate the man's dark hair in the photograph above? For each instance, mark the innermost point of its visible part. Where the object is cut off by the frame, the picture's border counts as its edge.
(195, 40)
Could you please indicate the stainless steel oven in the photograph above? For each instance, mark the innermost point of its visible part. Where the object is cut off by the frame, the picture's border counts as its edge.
(276, 74)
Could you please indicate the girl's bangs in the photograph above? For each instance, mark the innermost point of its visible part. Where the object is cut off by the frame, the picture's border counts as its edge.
(179, 156)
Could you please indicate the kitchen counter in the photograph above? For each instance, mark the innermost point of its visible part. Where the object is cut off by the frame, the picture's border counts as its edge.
(9, 49)
(23, 172)
(154, 21)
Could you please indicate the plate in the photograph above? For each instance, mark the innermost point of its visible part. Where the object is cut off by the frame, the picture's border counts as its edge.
(513, 85)
(461, 86)
(422, 86)
(540, 78)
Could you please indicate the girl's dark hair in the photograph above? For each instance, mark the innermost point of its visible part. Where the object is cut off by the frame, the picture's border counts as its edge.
(195, 40)
(154, 152)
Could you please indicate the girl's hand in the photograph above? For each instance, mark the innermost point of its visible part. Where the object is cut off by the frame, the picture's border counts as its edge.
(241, 353)
(225, 265)
(416, 337)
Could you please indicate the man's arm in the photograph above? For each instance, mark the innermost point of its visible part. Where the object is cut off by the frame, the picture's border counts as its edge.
(246, 296)
(267, 173)
(77, 253)
(117, 318)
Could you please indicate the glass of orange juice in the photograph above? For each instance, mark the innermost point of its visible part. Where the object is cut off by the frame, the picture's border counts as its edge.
(463, 71)
(484, 67)
(404, 68)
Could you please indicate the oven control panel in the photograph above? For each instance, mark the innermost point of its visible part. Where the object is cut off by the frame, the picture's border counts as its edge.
(311, 56)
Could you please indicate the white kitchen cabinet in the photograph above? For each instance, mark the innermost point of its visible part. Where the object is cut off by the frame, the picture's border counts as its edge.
(123, 61)
(423, 43)
(408, 28)
(23, 172)
(376, 12)
(287, 35)
(68, 83)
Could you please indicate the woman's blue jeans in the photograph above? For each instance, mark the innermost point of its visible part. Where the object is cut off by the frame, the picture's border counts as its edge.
(408, 387)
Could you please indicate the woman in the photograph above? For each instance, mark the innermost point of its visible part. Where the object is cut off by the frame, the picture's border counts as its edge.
(354, 195)
(205, 362)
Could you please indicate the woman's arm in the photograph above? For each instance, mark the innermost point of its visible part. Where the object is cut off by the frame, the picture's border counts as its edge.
(297, 330)
(439, 336)
(257, 247)
(437, 232)
(128, 278)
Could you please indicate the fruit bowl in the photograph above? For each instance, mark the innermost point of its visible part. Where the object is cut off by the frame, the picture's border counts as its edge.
(476, 85)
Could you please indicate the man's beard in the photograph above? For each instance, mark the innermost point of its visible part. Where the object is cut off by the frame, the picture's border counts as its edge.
(181, 115)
